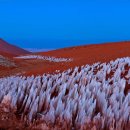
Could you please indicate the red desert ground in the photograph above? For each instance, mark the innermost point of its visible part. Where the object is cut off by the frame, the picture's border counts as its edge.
(77, 88)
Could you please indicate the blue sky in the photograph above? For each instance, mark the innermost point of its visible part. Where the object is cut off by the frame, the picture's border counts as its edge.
(62, 23)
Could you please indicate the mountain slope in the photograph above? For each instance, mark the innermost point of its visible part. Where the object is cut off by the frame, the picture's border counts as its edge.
(80, 55)
(93, 53)
(11, 49)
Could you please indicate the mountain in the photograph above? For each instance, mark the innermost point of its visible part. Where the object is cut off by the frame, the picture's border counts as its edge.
(11, 49)
(92, 53)
(80, 55)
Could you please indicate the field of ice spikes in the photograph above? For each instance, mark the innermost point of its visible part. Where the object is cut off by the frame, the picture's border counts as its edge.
(95, 97)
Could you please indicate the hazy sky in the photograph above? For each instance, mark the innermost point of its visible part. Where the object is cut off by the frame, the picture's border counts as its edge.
(61, 23)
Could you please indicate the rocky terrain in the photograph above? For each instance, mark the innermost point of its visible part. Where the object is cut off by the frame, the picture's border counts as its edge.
(6, 62)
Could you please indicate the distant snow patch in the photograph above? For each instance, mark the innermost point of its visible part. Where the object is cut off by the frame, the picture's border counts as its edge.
(47, 58)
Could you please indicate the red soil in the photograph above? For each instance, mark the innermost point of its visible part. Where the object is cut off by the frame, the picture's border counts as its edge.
(93, 53)
(8, 55)
(11, 49)
(81, 55)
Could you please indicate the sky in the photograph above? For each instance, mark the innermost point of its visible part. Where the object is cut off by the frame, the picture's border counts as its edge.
(62, 23)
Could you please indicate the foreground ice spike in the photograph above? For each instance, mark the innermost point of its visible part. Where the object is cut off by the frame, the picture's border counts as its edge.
(94, 96)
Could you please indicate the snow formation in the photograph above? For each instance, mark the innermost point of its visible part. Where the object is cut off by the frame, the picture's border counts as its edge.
(92, 97)
(47, 58)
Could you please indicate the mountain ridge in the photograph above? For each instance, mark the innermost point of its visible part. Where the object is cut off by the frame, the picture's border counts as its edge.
(6, 47)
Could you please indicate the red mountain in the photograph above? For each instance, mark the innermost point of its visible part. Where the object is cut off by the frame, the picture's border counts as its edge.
(81, 55)
(11, 49)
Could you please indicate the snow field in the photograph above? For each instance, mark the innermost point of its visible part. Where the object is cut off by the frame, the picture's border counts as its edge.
(87, 97)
